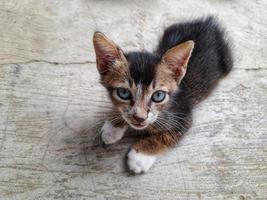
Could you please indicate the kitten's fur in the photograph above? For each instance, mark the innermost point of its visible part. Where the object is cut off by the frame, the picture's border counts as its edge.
(189, 61)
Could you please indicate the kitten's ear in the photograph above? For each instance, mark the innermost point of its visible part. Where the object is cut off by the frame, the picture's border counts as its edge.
(177, 58)
(107, 52)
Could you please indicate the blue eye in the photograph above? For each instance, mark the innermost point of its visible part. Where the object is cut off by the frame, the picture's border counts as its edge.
(124, 93)
(158, 96)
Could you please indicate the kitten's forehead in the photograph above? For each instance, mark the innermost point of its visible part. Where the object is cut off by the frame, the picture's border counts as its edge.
(142, 67)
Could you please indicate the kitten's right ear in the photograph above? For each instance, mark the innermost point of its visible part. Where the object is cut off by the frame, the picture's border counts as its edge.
(177, 58)
(107, 52)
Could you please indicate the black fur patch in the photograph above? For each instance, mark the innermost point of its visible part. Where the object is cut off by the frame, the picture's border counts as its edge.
(142, 66)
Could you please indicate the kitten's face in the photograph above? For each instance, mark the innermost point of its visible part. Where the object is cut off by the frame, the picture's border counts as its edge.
(140, 84)
(140, 102)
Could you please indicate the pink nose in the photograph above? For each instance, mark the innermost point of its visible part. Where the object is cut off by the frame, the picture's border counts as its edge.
(139, 119)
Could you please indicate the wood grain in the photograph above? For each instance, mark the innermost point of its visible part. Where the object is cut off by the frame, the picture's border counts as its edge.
(52, 105)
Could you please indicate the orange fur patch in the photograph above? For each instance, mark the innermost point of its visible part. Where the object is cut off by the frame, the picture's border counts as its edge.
(157, 144)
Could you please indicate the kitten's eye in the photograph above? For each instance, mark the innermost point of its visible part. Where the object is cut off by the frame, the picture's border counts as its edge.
(158, 96)
(124, 93)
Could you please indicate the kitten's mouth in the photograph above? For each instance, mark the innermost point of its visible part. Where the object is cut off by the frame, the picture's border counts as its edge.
(135, 125)
(138, 126)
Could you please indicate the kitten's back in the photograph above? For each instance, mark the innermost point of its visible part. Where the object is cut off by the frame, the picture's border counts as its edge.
(211, 58)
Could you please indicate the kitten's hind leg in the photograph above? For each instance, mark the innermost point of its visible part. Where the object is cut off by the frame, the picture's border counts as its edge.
(111, 134)
(143, 154)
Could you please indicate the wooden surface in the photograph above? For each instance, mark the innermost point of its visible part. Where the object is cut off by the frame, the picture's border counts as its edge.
(51, 105)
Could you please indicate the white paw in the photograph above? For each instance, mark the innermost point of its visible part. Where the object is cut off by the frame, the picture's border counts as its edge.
(111, 134)
(139, 162)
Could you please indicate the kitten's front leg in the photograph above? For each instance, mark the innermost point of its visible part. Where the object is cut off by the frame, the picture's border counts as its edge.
(143, 154)
(111, 134)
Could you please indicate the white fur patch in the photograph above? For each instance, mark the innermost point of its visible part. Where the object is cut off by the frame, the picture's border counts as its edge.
(152, 117)
(139, 162)
(111, 134)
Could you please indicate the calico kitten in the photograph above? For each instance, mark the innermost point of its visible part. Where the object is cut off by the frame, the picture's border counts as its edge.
(156, 92)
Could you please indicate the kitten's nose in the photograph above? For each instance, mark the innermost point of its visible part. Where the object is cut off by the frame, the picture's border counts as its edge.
(139, 119)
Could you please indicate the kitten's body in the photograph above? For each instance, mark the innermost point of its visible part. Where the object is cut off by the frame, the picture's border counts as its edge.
(186, 71)
(210, 60)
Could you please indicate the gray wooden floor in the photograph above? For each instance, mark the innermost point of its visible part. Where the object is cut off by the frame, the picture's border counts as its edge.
(51, 104)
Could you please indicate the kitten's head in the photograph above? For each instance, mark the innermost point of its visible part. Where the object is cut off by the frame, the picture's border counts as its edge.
(140, 84)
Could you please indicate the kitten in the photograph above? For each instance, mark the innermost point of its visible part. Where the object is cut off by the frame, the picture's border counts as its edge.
(156, 92)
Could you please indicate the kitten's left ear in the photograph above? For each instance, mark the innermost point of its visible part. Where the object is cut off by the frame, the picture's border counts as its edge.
(177, 58)
(107, 52)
